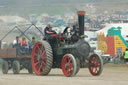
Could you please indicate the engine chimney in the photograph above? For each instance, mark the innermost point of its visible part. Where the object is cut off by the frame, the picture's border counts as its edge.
(81, 22)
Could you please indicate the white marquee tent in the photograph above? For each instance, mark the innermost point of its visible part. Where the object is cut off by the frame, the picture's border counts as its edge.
(124, 30)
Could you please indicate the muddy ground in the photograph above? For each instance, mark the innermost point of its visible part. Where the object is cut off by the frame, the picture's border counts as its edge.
(111, 75)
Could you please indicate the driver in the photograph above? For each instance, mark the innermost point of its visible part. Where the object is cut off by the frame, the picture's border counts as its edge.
(48, 34)
(51, 39)
(48, 30)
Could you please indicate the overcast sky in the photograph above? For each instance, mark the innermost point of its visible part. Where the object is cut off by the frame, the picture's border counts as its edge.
(39, 6)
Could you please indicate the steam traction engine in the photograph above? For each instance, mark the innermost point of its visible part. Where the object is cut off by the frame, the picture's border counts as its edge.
(70, 52)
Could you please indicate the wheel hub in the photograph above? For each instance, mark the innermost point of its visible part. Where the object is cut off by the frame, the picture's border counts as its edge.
(96, 64)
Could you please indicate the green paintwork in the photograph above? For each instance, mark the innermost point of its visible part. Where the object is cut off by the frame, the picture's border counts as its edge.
(114, 31)
(117, 32)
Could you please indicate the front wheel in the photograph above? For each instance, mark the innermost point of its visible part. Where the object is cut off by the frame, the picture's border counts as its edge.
(69, 65)
(30, 70)
(5, 67)
(16, 67)
(95, 65)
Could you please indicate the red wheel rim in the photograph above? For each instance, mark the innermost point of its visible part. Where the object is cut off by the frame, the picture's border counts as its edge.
(94, 65)
(38, 58)
(67, 66)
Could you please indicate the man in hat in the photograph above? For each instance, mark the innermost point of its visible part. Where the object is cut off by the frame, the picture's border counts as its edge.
(48, 30)
(51, 39)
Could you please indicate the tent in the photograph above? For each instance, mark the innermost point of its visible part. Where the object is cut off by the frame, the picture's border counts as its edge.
(124, 30)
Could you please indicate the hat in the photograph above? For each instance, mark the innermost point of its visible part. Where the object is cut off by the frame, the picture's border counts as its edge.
(119, 27)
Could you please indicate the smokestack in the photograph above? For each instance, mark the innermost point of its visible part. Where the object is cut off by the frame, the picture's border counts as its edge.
(81, 22)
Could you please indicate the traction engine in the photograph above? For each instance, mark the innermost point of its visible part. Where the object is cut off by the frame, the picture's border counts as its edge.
(70, 52)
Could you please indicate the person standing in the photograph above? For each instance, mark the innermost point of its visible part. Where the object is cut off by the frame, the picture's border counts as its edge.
(126, 56)
(24, 45)
(16, 42)
(24, 42)
(17, 45)
(31, 44)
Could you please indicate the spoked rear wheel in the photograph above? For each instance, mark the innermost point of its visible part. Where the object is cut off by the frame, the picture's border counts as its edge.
(69, 65)
(42, 58)
(95, 65)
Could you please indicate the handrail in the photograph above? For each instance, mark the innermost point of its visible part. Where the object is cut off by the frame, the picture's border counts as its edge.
(23, 32)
